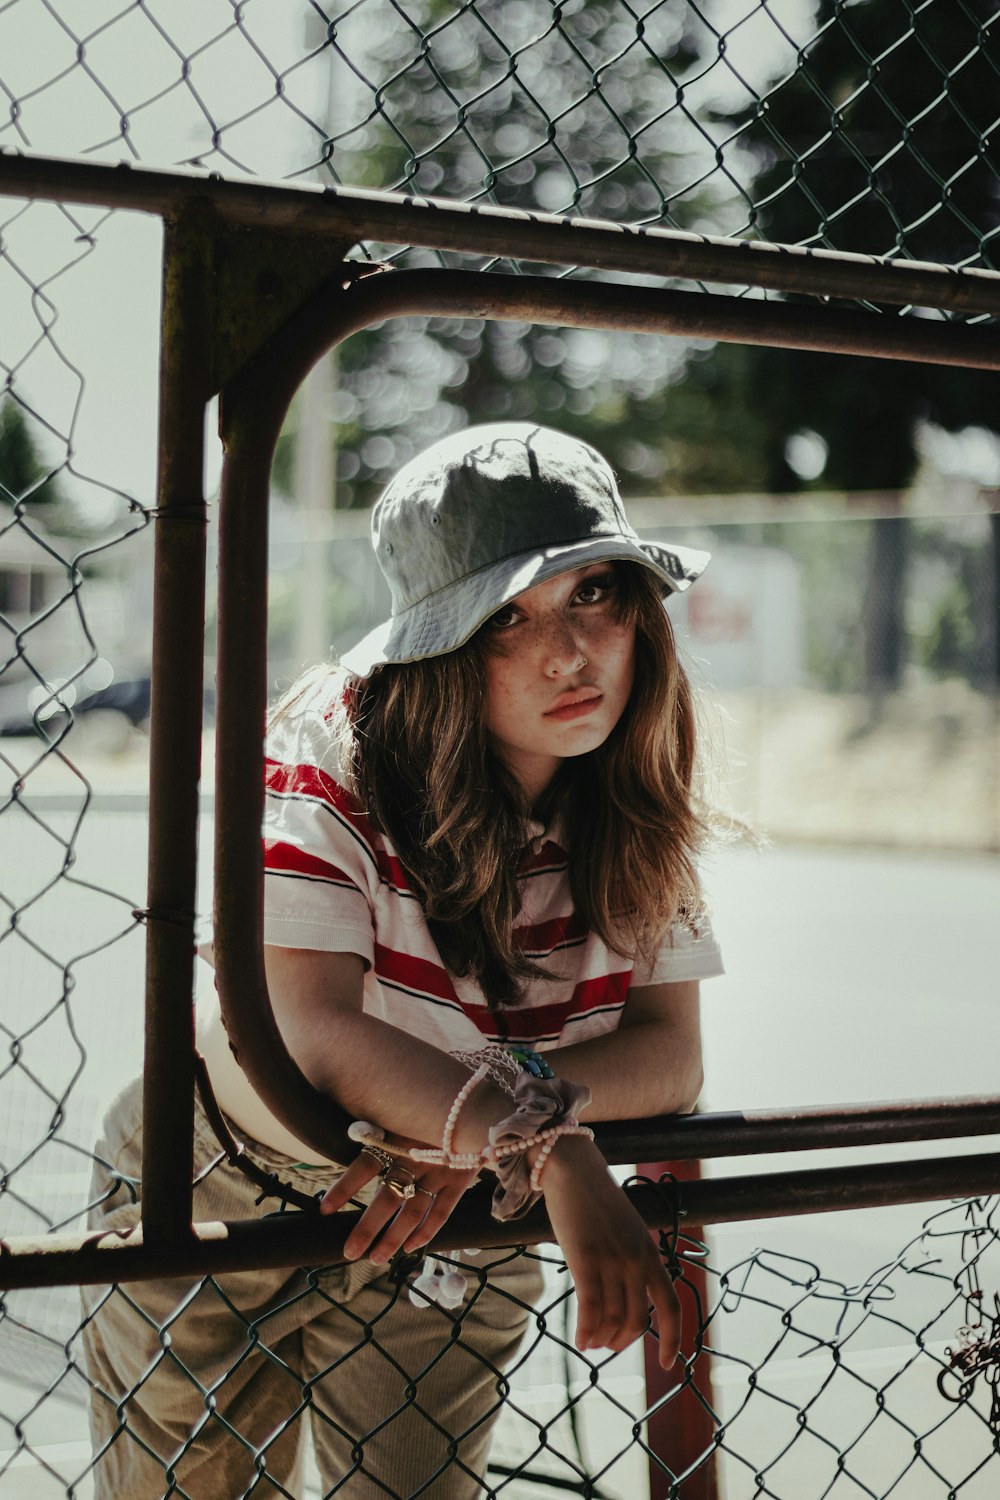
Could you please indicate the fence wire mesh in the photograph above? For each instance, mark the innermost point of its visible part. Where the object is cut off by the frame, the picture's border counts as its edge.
(863, 127)
(807, 1384)
(659, 113)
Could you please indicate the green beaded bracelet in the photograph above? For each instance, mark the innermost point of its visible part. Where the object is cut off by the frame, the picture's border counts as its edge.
(532, 1062)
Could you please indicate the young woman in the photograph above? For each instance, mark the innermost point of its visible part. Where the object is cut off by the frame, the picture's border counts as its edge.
(480, 852)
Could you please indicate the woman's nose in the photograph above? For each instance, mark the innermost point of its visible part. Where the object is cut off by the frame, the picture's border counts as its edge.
(564, 655)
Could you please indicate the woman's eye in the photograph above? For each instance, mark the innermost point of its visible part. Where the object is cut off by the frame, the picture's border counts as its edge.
(595, 590)
(503, 619)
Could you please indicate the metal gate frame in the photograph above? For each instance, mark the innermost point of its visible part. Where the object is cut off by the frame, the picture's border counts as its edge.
(256, 289)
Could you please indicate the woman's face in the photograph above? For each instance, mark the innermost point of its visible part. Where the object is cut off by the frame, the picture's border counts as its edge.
(559, 672)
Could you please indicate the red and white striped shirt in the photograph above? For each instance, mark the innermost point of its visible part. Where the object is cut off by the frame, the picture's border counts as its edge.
(335, 884)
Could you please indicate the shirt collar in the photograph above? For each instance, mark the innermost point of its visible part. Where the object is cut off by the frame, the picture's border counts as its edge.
(537, 834)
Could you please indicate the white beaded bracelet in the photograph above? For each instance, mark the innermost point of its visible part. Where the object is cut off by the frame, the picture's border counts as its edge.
(568, 1126)
(541, 1160)
(443, 1155)
(467, 1161)
(459, 1161)
(481, 1073)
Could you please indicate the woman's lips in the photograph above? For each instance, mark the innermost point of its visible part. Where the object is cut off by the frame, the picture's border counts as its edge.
(576, 707)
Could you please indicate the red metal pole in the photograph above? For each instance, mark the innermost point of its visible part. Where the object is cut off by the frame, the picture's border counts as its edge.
(681, 1429)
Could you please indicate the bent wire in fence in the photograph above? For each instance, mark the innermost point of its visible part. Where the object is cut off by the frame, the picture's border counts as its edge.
(865, 130)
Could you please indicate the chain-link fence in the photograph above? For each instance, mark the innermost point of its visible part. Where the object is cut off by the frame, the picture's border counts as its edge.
(797, 1380)
(862, 128)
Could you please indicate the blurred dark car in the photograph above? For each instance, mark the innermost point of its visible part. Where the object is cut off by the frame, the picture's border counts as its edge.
(128, 697)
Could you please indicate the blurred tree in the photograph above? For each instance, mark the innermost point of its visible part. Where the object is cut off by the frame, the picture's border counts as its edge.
(878, 143)
(529, 107)
(23, 474)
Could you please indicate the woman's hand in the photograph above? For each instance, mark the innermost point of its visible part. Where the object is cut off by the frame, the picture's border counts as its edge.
(390, 1223)
(616, 1268)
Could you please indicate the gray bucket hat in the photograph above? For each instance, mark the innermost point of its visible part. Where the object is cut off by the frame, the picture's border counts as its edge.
(485, 514)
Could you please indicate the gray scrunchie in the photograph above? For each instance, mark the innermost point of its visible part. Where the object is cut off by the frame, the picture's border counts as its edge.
(539, 1103)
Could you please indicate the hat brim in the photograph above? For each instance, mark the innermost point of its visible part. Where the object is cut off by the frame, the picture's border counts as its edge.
(446, 620)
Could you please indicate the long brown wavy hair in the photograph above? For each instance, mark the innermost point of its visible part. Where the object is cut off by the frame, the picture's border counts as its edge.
(419, 759)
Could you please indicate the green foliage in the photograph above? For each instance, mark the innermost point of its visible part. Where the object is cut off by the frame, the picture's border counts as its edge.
(952, 599)
(283, 468)
(31, 484)
(24, 476)
(877, 143)
(531, 105)
(832, 556)
(951, 640)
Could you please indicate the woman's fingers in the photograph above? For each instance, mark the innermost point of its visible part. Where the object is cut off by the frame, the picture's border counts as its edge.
(361, 1171)
(384, 1225)
(391, 1222)
(616, 1314)
(447, 1187)
(667, 1308)
(368, 1228)
(615, 1267)
(589, 1306)
(638, 1308)
(629, 1309)
(437, 1215)
(402, 1221)
(613, 1310)
(608, 1329)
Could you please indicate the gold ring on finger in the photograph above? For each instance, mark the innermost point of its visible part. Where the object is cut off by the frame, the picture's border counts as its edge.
(399, 1181)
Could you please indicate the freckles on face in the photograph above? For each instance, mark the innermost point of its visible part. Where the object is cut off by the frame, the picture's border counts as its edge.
(559, 674)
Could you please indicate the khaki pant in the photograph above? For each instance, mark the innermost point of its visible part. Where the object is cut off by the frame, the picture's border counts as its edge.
(203, 1389)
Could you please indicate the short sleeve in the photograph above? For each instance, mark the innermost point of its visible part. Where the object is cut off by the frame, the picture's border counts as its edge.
(320, 863)
(685, 953)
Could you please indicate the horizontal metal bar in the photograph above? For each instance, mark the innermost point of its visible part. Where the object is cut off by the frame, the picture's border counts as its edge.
(772, 1195)
(511, 234)
(757, 1132)
(644, 309)
(297, 1239)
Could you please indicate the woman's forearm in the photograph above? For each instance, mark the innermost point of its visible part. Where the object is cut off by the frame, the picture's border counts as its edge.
(378, 1073)
(373, 1070)
(648, 1069)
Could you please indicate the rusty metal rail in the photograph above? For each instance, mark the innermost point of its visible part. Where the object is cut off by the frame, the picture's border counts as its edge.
(404, 219)
(760, 1131)
(175, 741)
(303, 1239)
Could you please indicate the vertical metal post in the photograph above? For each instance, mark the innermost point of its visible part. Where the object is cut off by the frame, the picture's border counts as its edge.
(175, 736)
(680, 1430)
